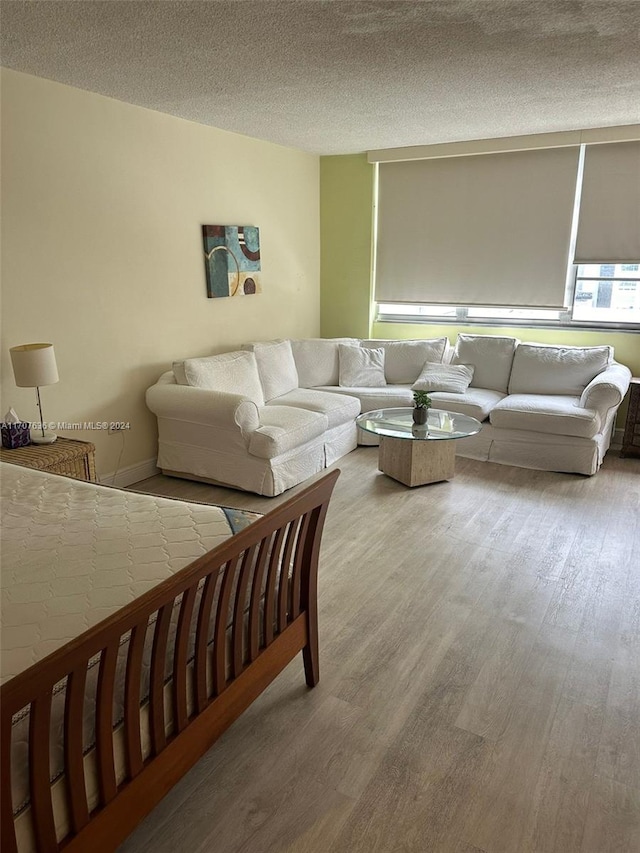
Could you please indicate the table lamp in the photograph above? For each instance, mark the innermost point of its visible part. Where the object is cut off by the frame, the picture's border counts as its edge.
(35, 365)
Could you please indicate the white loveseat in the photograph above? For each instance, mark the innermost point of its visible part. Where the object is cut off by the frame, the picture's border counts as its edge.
(270, 416)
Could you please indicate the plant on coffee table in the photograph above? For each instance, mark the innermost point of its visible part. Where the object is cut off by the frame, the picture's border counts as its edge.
(422, 404)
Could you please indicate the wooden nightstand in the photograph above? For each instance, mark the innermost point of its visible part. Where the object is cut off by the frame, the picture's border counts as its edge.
(65, 456)
(631, 440)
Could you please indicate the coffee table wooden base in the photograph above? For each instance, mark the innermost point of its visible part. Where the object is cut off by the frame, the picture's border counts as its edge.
(416, 463)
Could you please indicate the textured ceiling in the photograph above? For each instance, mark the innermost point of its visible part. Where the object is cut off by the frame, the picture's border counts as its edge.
(339, 77)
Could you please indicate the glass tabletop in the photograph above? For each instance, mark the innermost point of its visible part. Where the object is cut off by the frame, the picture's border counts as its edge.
(398, 423)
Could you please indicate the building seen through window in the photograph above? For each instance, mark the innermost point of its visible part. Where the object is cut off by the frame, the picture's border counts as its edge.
(609, 293)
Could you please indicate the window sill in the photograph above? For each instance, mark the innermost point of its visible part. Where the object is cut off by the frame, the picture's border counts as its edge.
(575, 325)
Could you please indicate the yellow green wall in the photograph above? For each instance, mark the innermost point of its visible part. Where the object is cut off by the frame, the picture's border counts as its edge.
(346, 223)
(346, 218)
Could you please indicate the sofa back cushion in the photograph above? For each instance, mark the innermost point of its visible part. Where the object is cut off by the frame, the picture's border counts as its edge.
(317, 360)
(276, 368)
(231, 372)
(361, 367)
(491, 357)
(546, 369)
(404, 360)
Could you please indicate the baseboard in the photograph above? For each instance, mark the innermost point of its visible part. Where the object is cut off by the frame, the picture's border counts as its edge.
(142, 470)
(131, 474)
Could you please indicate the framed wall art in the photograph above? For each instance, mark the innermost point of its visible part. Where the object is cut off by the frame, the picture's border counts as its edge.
(232, 260)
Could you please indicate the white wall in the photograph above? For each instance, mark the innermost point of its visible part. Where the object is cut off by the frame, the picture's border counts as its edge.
(102, 207)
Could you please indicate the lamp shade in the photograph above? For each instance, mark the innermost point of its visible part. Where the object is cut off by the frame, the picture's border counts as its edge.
(34, 365)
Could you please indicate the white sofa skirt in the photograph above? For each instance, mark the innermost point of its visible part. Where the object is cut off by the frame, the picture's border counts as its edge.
(267, 477)
(539, 451)
(527, 449)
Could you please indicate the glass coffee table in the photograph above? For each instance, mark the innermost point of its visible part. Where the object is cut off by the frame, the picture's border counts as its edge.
(417, 455)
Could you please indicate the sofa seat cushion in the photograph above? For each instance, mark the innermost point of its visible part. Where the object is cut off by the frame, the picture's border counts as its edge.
(404, 360)
(555, 414)
(283, 428)
(491, 356)
(547, 369)
(475, 402)
(338, 408)
(386, 397)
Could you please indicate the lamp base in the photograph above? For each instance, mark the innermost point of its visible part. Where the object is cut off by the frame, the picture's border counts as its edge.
(47, 438)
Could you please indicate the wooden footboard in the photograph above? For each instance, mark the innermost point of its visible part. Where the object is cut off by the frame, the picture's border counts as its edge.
(186, 659)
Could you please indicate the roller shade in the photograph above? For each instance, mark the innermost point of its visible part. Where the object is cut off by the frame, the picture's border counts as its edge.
(490, 230)
(609, 221)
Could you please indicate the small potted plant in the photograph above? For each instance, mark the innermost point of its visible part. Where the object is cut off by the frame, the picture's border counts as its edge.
(422, 404)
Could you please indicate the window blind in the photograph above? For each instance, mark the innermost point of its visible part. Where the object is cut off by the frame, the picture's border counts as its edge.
(490, 230)
(609, 220)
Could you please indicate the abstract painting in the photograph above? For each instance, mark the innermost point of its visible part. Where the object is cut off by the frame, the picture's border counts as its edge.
(232, 260)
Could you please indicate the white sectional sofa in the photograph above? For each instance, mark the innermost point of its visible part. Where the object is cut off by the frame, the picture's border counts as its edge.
(273, 414)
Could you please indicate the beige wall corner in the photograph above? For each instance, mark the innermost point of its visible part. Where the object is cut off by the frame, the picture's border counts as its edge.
(102, 207)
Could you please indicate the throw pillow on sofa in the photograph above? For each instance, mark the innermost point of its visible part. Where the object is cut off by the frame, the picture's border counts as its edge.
(404, 360)
(230, 372)
(454, 378)
(361, 367)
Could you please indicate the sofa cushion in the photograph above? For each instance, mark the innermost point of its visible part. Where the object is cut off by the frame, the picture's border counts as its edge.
(454, 378)
(475, 402)
(361, 367)
(386, 397)
(339, 408)
(276, 368)
(555, 414)
(317, 360)
(403, 360)
(546, 369)
(231, 372)
(283, 428)
(491, 357)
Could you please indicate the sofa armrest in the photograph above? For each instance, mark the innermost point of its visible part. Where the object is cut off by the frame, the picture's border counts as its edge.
(202, 406)
(607, 389)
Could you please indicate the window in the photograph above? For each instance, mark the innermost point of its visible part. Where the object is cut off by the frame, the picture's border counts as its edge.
(442, 312)
(436, 240)
(435, 314)
(603, 295)
(607, 293)
(469, 230)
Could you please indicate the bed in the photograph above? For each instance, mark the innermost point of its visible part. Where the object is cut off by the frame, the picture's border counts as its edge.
(136, 629)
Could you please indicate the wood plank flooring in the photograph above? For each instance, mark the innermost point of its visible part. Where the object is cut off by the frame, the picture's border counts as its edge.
(480, 677)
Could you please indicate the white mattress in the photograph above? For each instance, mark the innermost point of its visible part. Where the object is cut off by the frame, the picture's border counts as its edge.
(73, 553)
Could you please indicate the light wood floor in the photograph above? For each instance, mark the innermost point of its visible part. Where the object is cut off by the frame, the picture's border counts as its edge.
(480, 678)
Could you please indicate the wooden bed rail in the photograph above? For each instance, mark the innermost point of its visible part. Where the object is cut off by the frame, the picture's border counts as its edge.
(142, 695)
